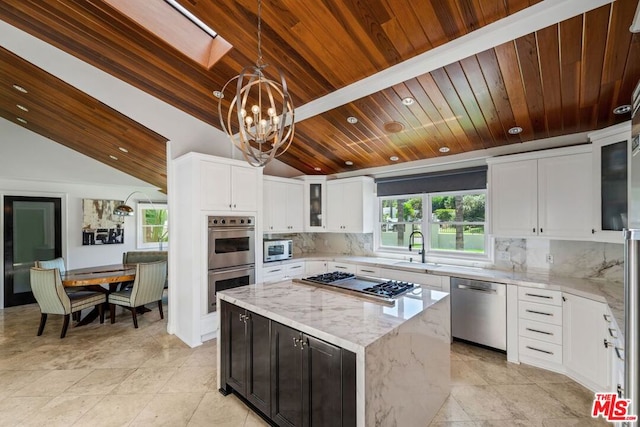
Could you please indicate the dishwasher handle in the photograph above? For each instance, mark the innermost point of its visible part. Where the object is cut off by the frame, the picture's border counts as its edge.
(475, 288)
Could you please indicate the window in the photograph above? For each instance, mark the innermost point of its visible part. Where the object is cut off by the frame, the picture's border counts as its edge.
(453, 223)
(400, 216)
(153, 232)
(457, 222)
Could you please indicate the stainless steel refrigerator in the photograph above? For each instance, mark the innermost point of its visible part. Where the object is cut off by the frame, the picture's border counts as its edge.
(632, 267)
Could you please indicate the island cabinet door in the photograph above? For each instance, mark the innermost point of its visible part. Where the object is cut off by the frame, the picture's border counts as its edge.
(247, 357)
(235, 336)
(286, 376)
(322, 383)
(259, 362)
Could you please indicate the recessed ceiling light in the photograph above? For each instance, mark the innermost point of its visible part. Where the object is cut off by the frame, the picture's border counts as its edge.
(394, 158)
(515, 130)
(348, 163)
(622, 109)
(113, 157)
(124, 150)
(408, 101)
(23, 108)
(352, 120)
(218, 94)
(444, 149)
(20, 89)
(21, 120)
(317, 169)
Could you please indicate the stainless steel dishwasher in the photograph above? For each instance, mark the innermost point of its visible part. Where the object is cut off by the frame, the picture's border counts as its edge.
(479, 312)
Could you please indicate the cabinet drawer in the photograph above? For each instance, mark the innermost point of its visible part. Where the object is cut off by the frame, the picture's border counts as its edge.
(365, 270)
(528, 347)
(542, 296)
(540, 312)
(431, 280)
(540, 331)
(339, 266)
(277, 269)
(294, 270)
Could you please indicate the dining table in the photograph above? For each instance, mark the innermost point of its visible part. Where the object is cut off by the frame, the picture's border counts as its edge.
(102, 278)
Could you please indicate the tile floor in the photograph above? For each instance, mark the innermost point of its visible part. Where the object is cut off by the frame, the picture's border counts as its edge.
(115, 375)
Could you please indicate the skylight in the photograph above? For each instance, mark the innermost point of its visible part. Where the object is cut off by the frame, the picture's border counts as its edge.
(191, 17)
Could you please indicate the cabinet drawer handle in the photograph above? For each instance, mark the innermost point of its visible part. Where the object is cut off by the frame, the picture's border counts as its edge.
(295, 341)
(611, 332)
(538, 312)
(541, 351)
(619, 353)
(540, 332)
(538, 296)
(367, 271)
(607, 344)
(274, 270)
(607, 317)
(341, 267)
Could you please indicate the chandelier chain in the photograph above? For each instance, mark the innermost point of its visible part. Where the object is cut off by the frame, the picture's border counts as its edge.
(260, 62)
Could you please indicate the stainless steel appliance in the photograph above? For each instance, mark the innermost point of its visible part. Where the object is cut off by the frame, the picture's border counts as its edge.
(277, 249)
(631, 387)
(231, 241)
(231, 258)
(379, 290)
(479, 312)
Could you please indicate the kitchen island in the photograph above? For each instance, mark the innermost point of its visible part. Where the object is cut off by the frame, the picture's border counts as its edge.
(401, 352)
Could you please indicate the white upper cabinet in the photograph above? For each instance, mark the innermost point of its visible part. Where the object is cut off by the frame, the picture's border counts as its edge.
(545, 194)
(315, 203)
(228, 187)
(513, 190)
(350, 205)
(611, 157)
(283, 205)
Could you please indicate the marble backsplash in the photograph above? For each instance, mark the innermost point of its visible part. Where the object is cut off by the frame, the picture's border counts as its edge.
(593, 260)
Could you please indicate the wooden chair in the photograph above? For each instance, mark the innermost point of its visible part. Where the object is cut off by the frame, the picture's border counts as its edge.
(148, 287)
(51, 297)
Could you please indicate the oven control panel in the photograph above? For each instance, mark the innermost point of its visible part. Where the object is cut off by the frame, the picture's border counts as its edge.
(231, 221)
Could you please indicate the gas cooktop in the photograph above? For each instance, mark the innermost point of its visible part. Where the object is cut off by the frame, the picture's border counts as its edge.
(380, 290)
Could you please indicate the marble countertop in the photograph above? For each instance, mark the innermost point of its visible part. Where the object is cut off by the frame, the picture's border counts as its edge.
(611, 293)
(346, 321)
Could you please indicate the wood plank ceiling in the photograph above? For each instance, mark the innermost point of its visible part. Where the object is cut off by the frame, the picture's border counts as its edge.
(560, 80)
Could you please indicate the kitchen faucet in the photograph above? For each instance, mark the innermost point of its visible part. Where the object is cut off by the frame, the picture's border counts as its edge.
(411, 243)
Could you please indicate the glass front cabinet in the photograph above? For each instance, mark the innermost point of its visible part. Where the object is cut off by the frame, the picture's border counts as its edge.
(315, 203)
(611, 157)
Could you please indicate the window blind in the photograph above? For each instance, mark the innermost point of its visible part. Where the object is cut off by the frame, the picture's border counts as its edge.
(474, 178)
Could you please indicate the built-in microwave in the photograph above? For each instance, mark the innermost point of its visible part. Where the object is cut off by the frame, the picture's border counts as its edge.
(277, 250)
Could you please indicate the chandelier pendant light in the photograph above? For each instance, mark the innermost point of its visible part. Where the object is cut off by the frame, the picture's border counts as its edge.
(260, 119)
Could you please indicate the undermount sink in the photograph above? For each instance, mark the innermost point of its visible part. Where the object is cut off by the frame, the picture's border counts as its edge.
(417, 265)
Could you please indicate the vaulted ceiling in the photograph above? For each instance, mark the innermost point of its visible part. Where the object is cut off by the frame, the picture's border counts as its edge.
(475, 69)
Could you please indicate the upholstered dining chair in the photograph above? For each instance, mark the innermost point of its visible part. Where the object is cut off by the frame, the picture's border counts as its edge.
(148, 287)
(51, 297)
(59, 264)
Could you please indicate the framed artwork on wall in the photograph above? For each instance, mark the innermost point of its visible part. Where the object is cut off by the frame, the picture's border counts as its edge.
(99, 225)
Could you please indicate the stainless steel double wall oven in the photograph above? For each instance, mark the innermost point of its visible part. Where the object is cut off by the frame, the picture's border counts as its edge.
(232, 257)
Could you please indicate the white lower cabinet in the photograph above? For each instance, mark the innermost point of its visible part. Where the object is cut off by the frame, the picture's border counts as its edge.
(431, 281)
(341, 266)
(585, 343)
(313, 268)
(568, 334)
(616, 354)
(540, 328)
(277, 273)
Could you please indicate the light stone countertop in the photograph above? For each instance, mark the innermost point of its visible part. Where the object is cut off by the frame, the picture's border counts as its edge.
(611, 293)
(346, 321)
